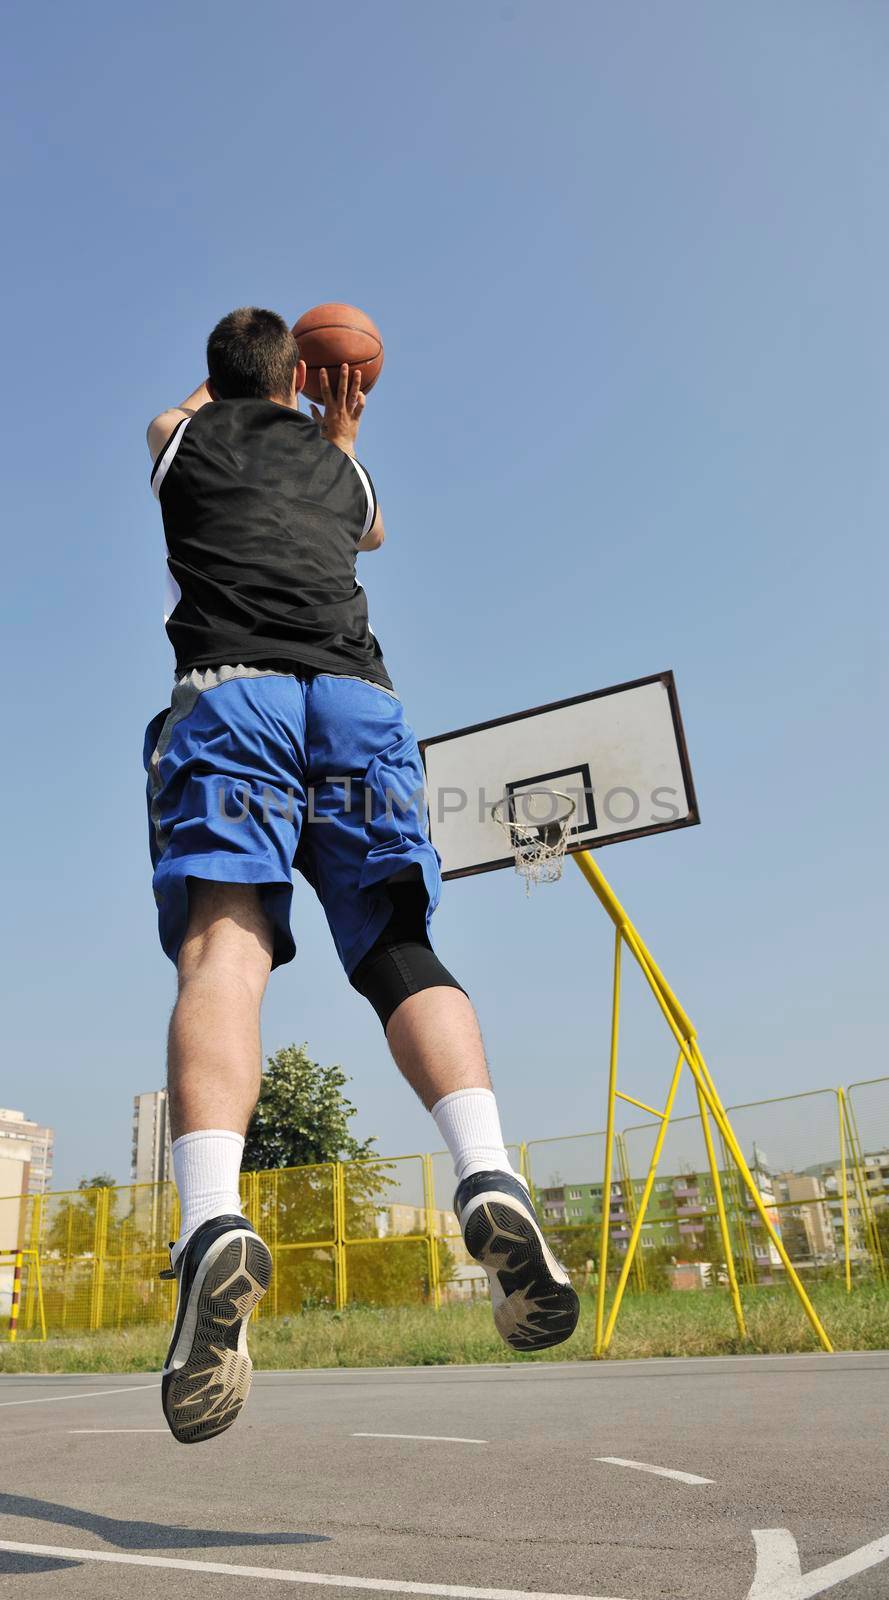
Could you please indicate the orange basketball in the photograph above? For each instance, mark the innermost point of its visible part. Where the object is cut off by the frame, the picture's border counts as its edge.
(330, 334)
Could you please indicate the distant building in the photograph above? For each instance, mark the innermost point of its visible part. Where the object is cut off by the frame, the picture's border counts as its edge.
(15, 1163)
(806, 1227)
(17, 1130)
(152, 1159)
(875, 1172)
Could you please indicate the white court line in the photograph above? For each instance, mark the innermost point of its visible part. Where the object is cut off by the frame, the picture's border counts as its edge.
(121, 1430)
(330, 1580)
(660, 1472)
(780, 1577)
(433, 1438)
(86, 1394)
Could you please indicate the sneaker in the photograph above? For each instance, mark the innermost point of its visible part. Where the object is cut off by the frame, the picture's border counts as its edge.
(531, 1295)
(223, 1272)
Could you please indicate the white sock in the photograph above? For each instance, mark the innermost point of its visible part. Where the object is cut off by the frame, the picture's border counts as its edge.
(206, 1166)
(469, 1123)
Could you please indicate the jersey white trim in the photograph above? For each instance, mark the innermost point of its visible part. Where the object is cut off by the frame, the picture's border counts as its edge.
(371, 497)
(172, 594)
(162, 465)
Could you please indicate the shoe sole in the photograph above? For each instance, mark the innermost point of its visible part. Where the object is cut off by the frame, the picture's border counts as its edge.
(533, 1308)
(210, 1370)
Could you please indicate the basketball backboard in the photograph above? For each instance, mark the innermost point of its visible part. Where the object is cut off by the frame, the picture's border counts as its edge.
(619, 752)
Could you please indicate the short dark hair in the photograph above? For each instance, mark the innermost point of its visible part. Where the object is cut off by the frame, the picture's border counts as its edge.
(251, 355)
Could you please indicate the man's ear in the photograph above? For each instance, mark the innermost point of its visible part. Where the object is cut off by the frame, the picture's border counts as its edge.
(300, 373)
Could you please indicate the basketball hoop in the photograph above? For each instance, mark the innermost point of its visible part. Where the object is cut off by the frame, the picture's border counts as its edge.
(537, 823)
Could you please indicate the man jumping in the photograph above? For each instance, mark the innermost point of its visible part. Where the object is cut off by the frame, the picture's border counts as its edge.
(285, 744)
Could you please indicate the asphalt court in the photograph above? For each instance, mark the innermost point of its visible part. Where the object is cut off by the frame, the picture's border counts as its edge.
(761, 1478)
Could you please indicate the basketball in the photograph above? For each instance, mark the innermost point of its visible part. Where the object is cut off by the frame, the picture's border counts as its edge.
(330, 334)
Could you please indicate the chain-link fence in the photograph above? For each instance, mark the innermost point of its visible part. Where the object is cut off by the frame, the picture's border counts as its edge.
(383, 1232)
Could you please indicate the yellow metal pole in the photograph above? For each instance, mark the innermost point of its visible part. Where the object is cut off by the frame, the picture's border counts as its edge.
(689, 1048)
(36, 1256)
(723, 1220)
(123, 1255)
(870, 1228)
(740, 1216)
(701, 1071)
(610, 903)
(640, 1105)
(629, 1194)
(681, 1027)
(847, 1254)
(99, 1248)
(274, 1232)
(16, 1295)
(703, 1079)
(609, 1148)
(32, 1235)
(643, 1204)
(431, 1240)
(339, 1231)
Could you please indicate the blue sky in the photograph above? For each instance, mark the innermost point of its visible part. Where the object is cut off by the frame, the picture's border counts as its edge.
(629, 262)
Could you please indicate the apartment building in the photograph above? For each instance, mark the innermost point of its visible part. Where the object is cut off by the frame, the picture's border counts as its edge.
(17, 1129)
(152, 1158)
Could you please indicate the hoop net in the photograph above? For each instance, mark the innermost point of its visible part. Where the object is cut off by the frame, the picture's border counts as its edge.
(538, 838)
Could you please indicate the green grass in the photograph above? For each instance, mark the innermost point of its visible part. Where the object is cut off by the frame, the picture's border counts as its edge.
(673, 1324)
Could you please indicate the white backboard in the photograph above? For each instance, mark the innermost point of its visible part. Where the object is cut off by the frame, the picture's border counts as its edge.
(620, 753)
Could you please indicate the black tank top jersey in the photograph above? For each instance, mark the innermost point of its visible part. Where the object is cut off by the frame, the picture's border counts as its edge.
(262, 520)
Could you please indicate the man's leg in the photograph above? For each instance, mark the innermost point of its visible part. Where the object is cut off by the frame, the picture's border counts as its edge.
(436, 1041)
(433, 1033)
(222, 1266)
(214, 1058)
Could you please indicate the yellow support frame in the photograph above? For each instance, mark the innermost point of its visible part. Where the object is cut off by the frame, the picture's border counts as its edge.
(709, 1105)
(853, 1141)
(18, 1259)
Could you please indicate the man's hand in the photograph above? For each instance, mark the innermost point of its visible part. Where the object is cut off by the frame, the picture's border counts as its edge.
(342, 411)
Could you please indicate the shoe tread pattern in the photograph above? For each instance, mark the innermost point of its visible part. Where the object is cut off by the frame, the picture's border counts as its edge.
(204, 1396)
(538, 1311)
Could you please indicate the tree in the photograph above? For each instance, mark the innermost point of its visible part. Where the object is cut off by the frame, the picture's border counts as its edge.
(102, 1180)
(302, 1117)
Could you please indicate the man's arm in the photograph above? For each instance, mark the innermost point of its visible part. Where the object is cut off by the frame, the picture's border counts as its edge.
(163, 425)
(339, 425)
(375, 534)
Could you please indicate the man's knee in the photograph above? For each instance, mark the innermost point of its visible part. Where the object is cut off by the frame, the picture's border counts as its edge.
(401, 962)
(228, 932)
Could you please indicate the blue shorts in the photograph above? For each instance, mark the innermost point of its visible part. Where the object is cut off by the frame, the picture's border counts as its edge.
(253, 772)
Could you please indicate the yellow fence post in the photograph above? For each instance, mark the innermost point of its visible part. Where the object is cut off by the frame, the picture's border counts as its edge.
(431, 1240)
(739, 1213)
(628, 1194)
(100, 1242)
(605, 1233)
(723, 1220)
(35, 1257)
(16, 1292)
(15, 1321)
(341, 1290)
(31, 1236)
(871, 1232)
(844, 1189)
